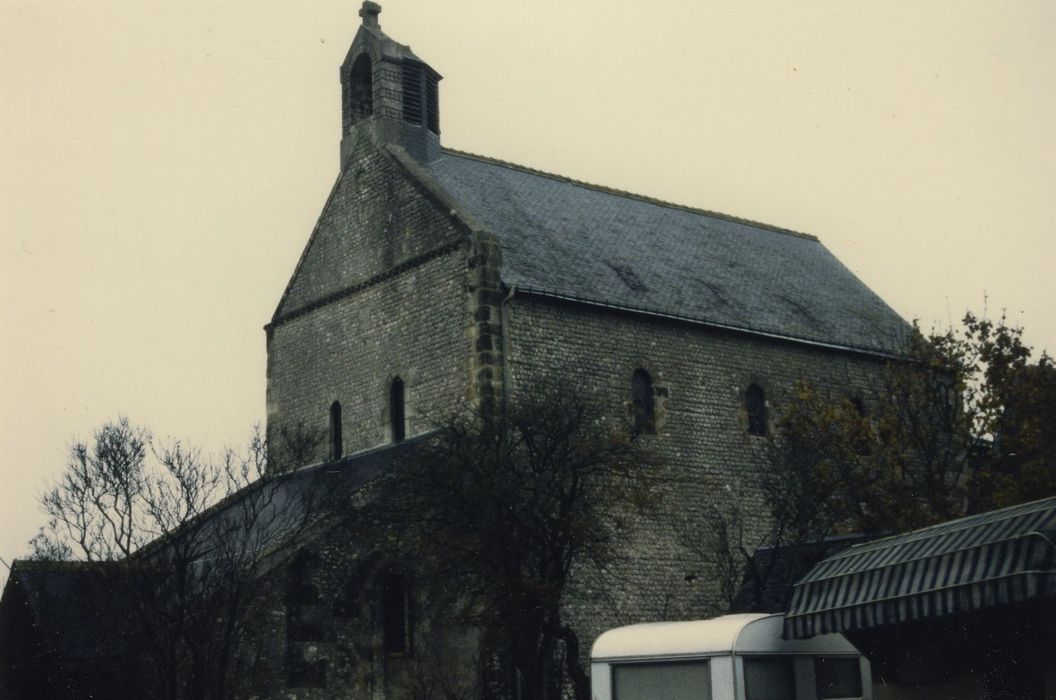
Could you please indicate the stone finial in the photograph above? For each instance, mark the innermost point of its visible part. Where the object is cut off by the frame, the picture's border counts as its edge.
(369, 12)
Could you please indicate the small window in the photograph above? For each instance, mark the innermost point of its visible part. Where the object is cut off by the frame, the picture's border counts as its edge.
(837, 677)
(397, 416)
(395, 615)
(642, 402)
(299, 587)
(755, 405)
(302, 626)
(305, 674)
(680, 680)
(337, 449)
(769, 678)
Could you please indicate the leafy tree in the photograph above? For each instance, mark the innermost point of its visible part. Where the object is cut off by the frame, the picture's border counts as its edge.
(960, 422)
(182, 541)
(1015, 420)
(501, 508)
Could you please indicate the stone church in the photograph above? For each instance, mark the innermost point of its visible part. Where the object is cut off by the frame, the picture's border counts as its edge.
(436, 277)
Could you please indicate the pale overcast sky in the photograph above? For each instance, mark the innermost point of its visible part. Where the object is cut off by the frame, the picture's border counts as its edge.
(164, 162)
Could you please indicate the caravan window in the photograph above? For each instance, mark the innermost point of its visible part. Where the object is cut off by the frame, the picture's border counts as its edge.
(685, 680)
(837, 677)
(769, 678)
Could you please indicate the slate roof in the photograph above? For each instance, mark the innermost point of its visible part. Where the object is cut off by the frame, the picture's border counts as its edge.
(301, 501)
(72, 606)
(571, 239)
(389, 47)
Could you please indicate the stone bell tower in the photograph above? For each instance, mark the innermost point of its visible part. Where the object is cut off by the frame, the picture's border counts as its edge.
(389, 90)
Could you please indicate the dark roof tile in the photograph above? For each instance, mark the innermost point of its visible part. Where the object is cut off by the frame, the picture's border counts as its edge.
(580, 241)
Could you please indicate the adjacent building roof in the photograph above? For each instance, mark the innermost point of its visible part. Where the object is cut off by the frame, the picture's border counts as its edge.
(578, 241)
(983, 561)
(294, 506)
(71, 605)
(773, 571)
(70, 610)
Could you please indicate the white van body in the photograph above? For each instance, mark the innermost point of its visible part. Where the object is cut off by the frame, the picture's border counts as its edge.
(734, 657)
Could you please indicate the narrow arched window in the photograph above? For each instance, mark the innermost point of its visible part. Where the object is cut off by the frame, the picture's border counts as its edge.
(336, 447)
(395, 614)
(302, 626)
(642, 404)
(396, 410)
(755, 405)
(863, 434)
(299, 587)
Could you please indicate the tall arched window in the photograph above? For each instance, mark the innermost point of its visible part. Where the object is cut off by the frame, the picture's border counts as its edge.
(396, 614)
(396, 410)
(336, 447)
(642, 404)
(302, 598)
(755, 405)
(864, 435)
(299, 587)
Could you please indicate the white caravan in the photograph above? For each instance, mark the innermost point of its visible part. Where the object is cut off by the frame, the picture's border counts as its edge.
(734, 657)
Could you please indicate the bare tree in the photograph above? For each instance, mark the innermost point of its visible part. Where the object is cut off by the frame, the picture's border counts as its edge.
(186, 541)
(725, 542)
(499, 509)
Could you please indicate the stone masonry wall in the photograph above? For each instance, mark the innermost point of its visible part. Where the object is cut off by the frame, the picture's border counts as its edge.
(324, 630)
(411, 326)
(392, 283)
(700, 376)
(380, 292)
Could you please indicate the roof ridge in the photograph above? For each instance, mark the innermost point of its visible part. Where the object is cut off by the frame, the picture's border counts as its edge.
(54, 565)
(629, 195)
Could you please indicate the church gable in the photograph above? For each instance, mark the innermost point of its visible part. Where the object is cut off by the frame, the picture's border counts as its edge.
(377, 220)
(398, 285)
(379, 299)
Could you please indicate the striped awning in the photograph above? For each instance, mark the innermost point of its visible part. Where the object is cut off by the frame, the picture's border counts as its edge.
(982, 561)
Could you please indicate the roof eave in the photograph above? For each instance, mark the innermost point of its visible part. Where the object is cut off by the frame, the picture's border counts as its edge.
(872, 352)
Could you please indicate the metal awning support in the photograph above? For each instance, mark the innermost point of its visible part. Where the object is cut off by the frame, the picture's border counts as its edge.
(982, 561)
